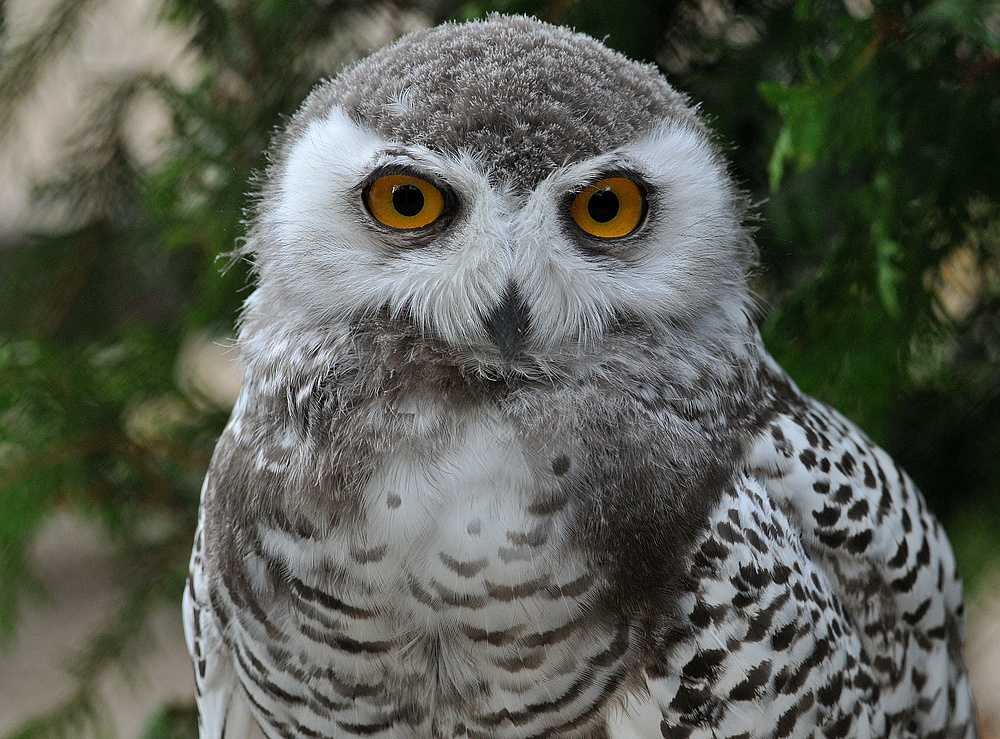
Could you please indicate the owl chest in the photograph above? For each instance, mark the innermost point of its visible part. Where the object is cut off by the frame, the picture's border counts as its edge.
(456, 599)
(473, 533)
(465, 537)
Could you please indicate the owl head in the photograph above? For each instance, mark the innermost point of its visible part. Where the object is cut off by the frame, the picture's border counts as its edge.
(509, 190)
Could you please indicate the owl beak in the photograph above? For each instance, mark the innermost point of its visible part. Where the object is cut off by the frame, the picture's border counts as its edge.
(508, 323)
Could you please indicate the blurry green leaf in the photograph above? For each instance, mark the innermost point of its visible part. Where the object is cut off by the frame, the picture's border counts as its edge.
(173, 722)
(782, 152)
(889, 275)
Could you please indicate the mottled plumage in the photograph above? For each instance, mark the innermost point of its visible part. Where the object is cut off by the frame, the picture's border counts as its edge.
(498, 476)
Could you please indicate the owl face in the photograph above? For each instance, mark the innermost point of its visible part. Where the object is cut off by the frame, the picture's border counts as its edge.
(524, 208)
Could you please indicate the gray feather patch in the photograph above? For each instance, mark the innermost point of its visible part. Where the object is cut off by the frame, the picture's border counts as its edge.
(507, 91)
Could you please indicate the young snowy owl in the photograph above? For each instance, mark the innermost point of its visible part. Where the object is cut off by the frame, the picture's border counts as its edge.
(510, 460)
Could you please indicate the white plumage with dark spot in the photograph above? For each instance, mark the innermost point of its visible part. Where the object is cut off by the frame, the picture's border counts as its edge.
(510, 460)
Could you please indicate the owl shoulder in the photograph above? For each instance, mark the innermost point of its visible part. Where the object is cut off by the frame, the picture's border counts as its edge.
(866, 526)
(857, 510)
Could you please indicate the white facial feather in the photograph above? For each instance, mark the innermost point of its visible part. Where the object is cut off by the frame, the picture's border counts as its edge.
(330, 260)
(680, 263)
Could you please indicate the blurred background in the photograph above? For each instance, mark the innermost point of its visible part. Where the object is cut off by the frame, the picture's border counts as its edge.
(867, 132)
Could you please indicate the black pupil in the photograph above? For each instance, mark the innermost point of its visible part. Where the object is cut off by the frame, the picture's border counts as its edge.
(603, 206)
(407, 200)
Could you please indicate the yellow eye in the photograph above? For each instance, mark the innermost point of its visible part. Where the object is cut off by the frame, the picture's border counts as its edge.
(403, 202)
(609, 208)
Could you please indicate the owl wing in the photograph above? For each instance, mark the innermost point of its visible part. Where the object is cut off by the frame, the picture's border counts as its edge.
(223, 710)
(867, 527)
(822, 597)
(764, 648)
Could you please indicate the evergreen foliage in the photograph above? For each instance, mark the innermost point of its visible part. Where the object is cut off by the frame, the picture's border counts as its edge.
(866, 133)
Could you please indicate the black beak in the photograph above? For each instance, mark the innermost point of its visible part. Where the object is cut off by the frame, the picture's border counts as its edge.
(508, 323)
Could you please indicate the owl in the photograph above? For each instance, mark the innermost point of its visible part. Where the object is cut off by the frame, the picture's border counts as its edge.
(510, 460)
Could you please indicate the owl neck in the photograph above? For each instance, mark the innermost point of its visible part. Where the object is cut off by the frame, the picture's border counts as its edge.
(658, 422)
(380, 356)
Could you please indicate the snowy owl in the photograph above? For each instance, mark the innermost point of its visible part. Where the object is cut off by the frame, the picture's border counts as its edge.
(510, 460)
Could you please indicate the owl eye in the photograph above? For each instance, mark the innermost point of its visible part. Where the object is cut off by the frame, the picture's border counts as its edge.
(610, 208)
(403, 202)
